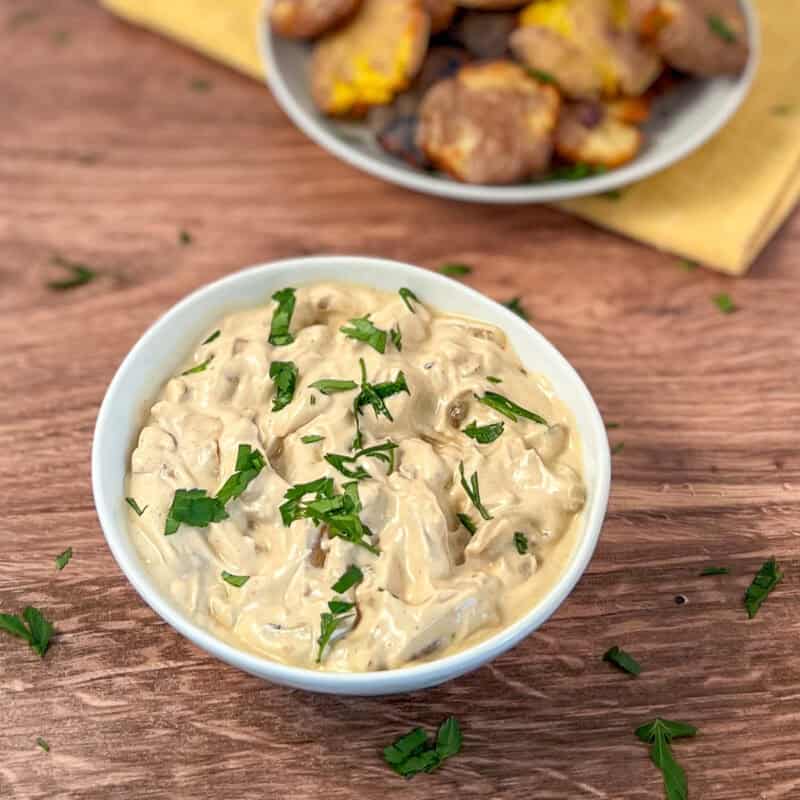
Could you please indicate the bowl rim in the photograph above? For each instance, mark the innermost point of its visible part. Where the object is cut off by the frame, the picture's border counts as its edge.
(406, 678)
(543, 192)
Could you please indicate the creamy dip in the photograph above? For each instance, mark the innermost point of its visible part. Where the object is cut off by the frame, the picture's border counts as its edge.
(432, 574)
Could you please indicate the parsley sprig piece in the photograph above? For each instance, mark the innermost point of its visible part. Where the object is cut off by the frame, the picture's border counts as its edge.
(279, 335)
(32, 627)
(235, 580)
(212, 337)
(41, 742)
(659, 734)
(284, 376)
(515, 305)
(396, 335)
(193, 507)
(724, 303)
(409, 298)
(249, 462)
(351, 577)
(414, 753)
(473, 491)
(198, 367)
(766, 579)
(484, 434)
(508, 408)
(338, 512)
(62, 559)
(455, 269)
(135, 506)
(311, 438)
(361, 329)
(625, 661)
(383, 452)
(375, 395)
(466, 521)
(80, 275)
(333, 386)
(521, 542)
(715, 571)
(339, 612)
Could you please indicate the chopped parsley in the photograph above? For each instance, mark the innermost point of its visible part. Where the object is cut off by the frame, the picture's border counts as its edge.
(80, 275)
(493, 379)
(339, 612)
(351, 577)
(43, 744)
(721, 28)
(688, 265)
(333, 386)
(612, 194)
(200, 85)
(414, 753)
(455, 270)
(515, 305)
(362, 330)
(279, 335)
(473, 491)
(211, 338)
(617, 448)
(467, 522)
(409, 296)
(135, 506)
(396, 336)
(611, 426)
(284, 376)
(383, 452)
(715, 571)
(198, 367)
(184, 237)
(193, 507)
(62, 559)
(32, 627)
(625, 661)
(766, 579)
(659, 735)
(540, 75)
(235, 580)
(484, 434)
(724, 303)
(249, 462)
(374, 395)
(521, 543)
(311, 439)
(508, 408)
(574, 172)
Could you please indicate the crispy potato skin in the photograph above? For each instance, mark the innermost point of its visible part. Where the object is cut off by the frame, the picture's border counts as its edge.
(685, 35)
(589, 133)
(490, 124)
(371, 59)
(307, 19)
(441, 13)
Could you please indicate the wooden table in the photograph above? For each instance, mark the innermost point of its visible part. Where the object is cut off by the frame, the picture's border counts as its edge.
(106, 152)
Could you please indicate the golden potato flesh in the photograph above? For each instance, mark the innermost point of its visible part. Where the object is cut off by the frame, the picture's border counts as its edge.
(589, 47)
(306, 19)
(490, 124)
(370, 59)
(590, 133)
(702, 37)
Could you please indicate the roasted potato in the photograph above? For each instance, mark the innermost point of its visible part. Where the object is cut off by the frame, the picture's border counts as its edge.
(702, 37)
(589, 133)
(441, 13)
(588, 47)
(484, 33)
(490, 124)
(306, 19)
(372, 58)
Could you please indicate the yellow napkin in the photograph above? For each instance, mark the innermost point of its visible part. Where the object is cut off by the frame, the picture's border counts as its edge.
(719, 206)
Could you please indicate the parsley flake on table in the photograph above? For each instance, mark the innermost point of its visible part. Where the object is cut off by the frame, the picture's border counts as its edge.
(352, 576)
(455, 270)
(625, 661)
(32, 627)
(484, 434)
(362, 330)
(508, 408)
(766, 579)
(659, 735)
(80, 275)
(409, 296)
(235, 580)
(62, 559)
(473, 491)
(279, 335)
(184, 237)
(515, 305)
(724, 303)
(415, 752)
(617, 448)
(715, 571)
(284, 376)
(135, 506)
(200, 85)
(43, 744)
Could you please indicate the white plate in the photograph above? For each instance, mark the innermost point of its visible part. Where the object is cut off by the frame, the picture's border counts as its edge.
(681, 122)
(162, 350)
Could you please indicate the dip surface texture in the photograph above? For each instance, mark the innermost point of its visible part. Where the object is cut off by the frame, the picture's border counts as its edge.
(262, 576)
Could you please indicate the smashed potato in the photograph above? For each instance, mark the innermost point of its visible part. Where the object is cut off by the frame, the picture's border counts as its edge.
(370, 59)
(306, 19)
(587, 46)
(441, 13)
(589, 133)
(703, 37)
(489, 124)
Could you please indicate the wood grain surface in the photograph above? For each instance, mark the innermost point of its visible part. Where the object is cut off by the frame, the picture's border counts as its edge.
(106, 152)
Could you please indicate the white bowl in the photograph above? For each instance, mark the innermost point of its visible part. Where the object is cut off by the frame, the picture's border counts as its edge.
(162, 350)
(682, 121)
